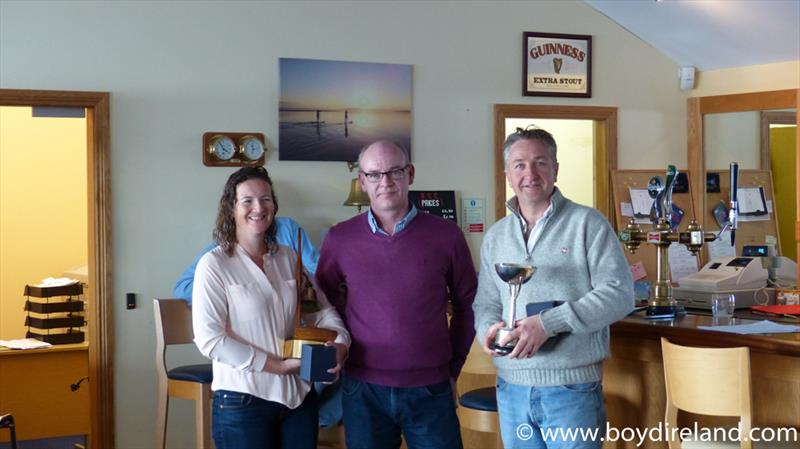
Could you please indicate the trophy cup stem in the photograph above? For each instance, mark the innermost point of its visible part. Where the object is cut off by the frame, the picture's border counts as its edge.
(512, 306)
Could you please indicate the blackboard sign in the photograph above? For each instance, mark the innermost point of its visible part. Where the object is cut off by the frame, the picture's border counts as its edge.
(436, 202)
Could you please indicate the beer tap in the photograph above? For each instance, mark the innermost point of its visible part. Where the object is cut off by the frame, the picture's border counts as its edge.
(733, 212)
(662, 302)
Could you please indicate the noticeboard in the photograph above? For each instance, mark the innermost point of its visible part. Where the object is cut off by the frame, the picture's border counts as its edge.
(441, 203)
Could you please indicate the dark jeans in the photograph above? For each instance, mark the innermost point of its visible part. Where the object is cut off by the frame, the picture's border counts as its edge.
(244, 421)
(375, 416)
(330, 403)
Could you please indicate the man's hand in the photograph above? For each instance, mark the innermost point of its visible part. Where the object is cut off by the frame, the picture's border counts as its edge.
(530, 336)
(489, 339)
(341, 355)
(453, 386)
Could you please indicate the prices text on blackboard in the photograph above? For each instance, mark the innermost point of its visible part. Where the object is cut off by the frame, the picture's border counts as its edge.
(436, 202)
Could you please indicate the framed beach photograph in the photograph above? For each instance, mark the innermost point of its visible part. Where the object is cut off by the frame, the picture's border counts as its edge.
(556, 65)
(329, 110)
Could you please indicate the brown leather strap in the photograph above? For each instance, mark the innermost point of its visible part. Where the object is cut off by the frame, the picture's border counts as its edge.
(299, 278)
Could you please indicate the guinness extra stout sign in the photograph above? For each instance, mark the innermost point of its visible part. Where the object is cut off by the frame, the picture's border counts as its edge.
(557, 65)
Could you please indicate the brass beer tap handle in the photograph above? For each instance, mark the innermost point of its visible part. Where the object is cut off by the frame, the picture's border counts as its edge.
(632, 236)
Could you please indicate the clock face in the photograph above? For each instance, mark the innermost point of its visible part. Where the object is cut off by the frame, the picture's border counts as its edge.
(252, 148)
(222, 147)
(232, 149)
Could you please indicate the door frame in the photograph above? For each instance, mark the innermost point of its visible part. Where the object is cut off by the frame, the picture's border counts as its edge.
(605, 146)
(698, 107)
(772, 118)
(100, 318)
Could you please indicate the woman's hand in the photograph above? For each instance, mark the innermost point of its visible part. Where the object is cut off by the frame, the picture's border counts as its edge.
(341, 356)
(289, 366)
(277, 365)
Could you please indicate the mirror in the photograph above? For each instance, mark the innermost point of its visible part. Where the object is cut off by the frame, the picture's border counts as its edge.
(732, 136)
(727, 128)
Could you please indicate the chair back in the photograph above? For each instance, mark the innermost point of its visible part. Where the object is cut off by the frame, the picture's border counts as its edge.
(478, 370)
(479, 362)
(173, 322)
(708, 381)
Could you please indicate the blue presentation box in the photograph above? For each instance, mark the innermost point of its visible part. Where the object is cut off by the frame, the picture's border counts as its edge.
(315, 362)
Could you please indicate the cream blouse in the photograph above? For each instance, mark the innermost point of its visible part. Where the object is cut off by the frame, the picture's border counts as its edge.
(241, 313)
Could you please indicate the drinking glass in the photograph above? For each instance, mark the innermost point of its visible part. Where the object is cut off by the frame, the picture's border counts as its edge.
(722, 305)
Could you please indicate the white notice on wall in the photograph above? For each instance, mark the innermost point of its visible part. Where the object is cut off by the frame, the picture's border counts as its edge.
(681, 262)
(641, 204)
(721, 247)
(474, 211)
(752, 204)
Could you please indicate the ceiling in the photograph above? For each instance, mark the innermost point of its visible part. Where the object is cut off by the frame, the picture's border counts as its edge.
(712, 34)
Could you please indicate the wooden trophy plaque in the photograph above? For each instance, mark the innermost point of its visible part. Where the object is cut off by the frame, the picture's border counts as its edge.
(308, 334)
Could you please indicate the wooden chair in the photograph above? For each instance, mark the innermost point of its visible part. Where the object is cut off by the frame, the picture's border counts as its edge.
(710, 381)
(477, 409)
(7, 422)
(173, 319)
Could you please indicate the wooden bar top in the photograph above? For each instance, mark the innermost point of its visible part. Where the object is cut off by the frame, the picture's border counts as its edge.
(684, 330)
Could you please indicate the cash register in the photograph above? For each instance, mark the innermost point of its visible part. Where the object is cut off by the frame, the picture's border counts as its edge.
(749, 277)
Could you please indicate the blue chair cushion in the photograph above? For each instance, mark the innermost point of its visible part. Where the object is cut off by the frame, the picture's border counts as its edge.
(481, 399)
(192, 373)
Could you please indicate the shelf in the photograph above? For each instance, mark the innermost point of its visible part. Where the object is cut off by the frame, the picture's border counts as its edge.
(57, 339)
(47, 292)
(54, 307)
(68, 327)
(54, 323)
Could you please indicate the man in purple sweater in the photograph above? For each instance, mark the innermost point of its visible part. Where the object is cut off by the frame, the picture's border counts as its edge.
(389, 272)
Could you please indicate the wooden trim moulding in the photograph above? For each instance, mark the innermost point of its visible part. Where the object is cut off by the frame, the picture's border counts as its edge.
(752, 101)
(100, 326)
(772, 118)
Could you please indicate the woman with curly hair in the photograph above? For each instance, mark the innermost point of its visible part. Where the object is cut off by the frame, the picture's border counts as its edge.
(244, 308)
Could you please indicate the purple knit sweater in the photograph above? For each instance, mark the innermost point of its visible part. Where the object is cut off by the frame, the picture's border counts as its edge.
(396, 301)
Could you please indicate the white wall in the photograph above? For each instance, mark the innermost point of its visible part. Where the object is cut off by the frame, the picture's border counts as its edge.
(752, 78)
(178, 69)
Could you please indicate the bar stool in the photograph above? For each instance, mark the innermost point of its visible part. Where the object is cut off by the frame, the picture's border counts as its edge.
(173, 322)
(477, 409)
(710, 381)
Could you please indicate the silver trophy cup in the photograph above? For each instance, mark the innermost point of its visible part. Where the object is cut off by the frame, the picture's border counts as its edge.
(514, 275)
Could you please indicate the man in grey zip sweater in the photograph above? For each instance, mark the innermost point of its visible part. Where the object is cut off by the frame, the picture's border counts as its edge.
(552, 378)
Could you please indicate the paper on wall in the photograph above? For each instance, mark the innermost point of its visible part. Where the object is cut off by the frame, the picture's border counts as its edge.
(641, 203)
(721, 247)
(681, 262)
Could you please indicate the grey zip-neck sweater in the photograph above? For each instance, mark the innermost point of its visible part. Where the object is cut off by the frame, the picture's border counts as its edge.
(578, 260)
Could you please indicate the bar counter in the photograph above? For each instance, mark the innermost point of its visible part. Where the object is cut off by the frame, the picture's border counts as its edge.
(634, 379)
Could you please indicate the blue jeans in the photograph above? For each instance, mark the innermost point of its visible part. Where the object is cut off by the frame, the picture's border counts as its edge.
(544, 417)
(375, 416)
(244, 421)
(330, 403)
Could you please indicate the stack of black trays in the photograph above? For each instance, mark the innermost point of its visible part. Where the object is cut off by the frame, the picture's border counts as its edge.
(60, 320)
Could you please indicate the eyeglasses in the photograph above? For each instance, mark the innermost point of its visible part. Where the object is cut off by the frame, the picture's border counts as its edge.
(528, 131)
(395, 174)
